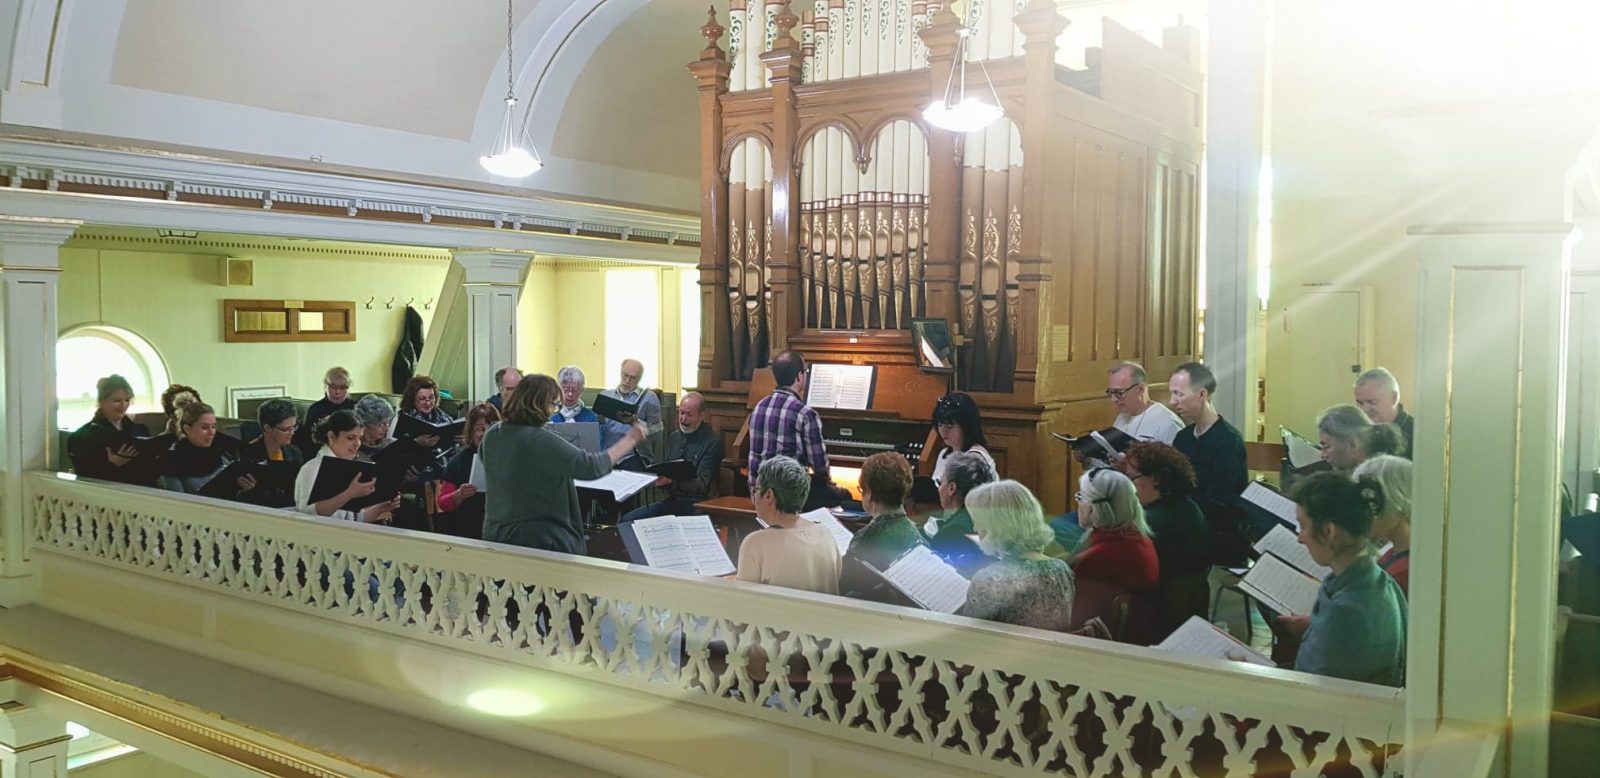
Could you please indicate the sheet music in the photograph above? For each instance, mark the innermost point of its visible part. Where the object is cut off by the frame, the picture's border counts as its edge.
(1279, 586)
(710, 558)
(621, 483)
(840, 386)
(1283, 544)
(1111, 451)
(478, 478)
(1198, 637)
(1272, 502)
(664, 543)
(1303, 451)
(929, 580)
(825, 517)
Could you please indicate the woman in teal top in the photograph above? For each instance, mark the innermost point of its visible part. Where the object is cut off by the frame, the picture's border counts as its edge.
(1357, 629)
(885, 482)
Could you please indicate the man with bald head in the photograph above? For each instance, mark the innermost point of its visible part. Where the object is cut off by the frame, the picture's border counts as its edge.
(630, 390)
(698, 444)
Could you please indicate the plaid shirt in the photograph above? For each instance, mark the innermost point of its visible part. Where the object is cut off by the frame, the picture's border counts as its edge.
(783, 425)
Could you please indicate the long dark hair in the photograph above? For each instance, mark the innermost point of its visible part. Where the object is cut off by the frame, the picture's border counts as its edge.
(958, 408)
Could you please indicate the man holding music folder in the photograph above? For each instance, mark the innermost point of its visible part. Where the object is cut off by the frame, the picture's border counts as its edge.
(694, 453)
(619, 408)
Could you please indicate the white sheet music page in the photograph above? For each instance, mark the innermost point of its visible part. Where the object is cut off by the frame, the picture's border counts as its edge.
(1272, 502)
(825, 517)
(929, 580)
(840, 386)
(710, 558)
(620, 483)
(478, 478)
(1303, 452)
(1283, 543)
(1279, 586)
(664, 544)
(1198, 637)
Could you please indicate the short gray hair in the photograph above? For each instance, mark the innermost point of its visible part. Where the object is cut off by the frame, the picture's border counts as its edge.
(787, 480)
(1379, 375)
(968, 471)
(1343, 422)
(1137, 370)
(373, 409)
(1116, 501)
(699, 399)
(1009, 520)
(1393, 476)
(570, 374)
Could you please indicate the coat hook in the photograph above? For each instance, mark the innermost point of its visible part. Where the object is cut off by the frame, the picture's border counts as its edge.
(409, 301)
(389, 306)
(428, 306)
(369, 302)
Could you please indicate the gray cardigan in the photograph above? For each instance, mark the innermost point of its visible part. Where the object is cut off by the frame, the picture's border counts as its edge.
(531, 500)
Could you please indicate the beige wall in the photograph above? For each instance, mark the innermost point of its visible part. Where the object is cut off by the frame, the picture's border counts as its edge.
(1342, 242)
(563, 314)
(135, 765)
(174, 301)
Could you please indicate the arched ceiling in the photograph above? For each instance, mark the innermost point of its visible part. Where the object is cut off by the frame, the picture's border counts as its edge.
(410, 86)
(639, 72)
(412, 65)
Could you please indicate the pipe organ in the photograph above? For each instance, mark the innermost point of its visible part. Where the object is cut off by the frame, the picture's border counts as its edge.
(1056, 241)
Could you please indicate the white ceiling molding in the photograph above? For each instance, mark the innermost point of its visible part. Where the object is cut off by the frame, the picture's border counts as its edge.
(177, 176)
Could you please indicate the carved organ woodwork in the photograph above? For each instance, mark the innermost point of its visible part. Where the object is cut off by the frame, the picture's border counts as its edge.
(1057, 241)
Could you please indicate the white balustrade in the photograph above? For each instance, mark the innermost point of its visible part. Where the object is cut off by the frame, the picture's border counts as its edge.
(961, 692)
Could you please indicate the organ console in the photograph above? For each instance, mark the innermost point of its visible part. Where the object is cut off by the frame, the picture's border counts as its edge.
(899, 417)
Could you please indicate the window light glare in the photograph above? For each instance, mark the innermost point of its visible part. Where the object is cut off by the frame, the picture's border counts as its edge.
(505, 703)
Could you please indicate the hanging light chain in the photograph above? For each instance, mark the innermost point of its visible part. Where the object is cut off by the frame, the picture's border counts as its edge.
(511, 89)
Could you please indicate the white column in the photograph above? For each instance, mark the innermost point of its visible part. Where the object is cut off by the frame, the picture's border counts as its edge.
(1583, 384)
(30, 266)
(1488, 405)
(32, 743)
(493, 282)
(1236, 81)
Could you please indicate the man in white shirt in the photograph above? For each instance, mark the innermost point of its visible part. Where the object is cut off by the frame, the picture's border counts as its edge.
(1137, 415)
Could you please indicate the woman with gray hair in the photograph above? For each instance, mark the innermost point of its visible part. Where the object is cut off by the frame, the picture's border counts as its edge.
(1349, 438)
(1118, 550)
(1393, 524)
(377, 417)
(791, 552)
(1021, 586)
(572, 408)
(963, 473)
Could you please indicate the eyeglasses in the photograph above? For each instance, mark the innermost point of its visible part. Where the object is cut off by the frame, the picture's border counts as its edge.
(627, 377)
(340, 387)
(1116, 394)
(289, 430)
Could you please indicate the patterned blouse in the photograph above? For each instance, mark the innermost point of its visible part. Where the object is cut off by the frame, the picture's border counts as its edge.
(1027, 592)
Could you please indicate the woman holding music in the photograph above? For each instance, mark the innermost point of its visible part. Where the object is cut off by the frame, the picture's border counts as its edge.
(105, 447)
(340, 434)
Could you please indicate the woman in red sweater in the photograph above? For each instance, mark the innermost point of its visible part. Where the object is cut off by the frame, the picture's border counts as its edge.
(1117, 551)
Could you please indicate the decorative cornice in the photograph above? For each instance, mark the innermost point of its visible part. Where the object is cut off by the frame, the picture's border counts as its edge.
(232, 245)
(161, 177)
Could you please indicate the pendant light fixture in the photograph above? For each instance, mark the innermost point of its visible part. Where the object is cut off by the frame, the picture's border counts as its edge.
(514, 155)
(957, 111)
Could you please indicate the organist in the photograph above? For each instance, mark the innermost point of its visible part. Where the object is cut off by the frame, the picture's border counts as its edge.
(783, 425)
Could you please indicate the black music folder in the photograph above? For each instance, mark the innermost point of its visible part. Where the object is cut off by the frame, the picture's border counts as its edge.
(224, 485)
(335, 475)
(1098, 445)
(677, 470)
(410, 427)
(615, 409)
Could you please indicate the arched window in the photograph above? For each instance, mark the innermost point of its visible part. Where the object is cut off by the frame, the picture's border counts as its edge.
(87, 354)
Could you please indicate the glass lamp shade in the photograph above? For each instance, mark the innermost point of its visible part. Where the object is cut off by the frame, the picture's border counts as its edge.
(513, 157)
(968, 115)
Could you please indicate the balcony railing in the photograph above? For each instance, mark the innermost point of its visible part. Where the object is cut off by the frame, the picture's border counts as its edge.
(964, 693)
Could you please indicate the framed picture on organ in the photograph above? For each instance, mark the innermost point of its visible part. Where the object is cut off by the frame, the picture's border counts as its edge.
(935, 354)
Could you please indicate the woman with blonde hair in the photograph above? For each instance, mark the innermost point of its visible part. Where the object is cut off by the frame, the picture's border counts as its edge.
(1021, 586)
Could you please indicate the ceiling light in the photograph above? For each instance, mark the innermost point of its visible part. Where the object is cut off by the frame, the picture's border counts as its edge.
(513, 154)
(956, 111)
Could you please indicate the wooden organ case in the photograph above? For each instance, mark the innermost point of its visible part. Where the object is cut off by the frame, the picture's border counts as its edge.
(1057, 241)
